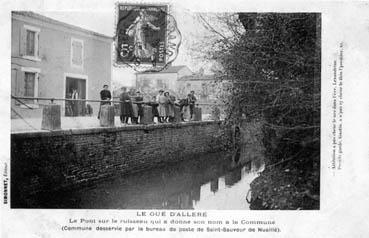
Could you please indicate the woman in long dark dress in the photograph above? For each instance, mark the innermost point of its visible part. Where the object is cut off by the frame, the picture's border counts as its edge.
(182, 104)
(167, 105)
(139, 101)
(171, 105)
(125, 106)
(105, 96)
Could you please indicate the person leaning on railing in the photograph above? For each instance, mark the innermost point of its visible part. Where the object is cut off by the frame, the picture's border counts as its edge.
(191, 101)
(154, 108)
(105, 95)
(168, 107)
(137, 107)
(162, 100)
(125, 106)
(181, 104)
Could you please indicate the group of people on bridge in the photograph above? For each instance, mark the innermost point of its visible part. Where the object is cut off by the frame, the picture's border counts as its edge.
(162, 105)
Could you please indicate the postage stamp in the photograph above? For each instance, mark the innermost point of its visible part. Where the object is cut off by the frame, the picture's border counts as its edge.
(147, 36)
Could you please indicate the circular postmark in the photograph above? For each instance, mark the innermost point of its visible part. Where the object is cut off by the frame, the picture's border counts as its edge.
(147, 38)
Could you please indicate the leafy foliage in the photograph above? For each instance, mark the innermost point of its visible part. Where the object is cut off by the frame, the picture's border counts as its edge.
(274, 71)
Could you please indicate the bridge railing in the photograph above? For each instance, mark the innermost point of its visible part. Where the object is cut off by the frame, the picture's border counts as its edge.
(82, 113)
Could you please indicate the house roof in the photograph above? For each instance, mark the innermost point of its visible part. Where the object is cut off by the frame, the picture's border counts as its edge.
(56, 22)
(168, 70)
(197, 77)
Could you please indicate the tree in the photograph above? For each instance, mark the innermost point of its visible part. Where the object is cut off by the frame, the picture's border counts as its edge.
(274, 70)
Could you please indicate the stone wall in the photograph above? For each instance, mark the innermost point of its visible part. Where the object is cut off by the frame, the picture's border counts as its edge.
(44, 161)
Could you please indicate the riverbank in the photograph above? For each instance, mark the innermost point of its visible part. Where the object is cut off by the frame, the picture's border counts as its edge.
(287, 186)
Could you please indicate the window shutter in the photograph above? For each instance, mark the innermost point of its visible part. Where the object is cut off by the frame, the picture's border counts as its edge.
(21, 83)
(74, 56)
(73, 52)
(15, 84)
(38, 45)
(22, 41)
(77, 53)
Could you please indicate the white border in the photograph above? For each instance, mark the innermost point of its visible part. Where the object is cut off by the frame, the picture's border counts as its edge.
(344, 193)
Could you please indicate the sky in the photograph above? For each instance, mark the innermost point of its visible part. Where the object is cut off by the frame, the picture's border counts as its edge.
(103, 21)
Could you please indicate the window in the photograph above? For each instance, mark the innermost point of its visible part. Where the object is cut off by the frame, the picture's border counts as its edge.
(204, 90)
(30, 85)
(204, 87)
(159, 84)
(77, 53)
(146, 83)
(30, 46)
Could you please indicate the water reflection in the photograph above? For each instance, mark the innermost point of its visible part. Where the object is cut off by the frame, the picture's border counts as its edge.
(212, 181)
(214, 185)
(231, 188)
(232, 177)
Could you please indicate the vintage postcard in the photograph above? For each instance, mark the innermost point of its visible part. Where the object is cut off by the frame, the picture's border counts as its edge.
(195, 119)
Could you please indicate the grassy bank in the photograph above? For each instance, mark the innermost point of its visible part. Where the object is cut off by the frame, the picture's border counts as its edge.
(288, 182)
